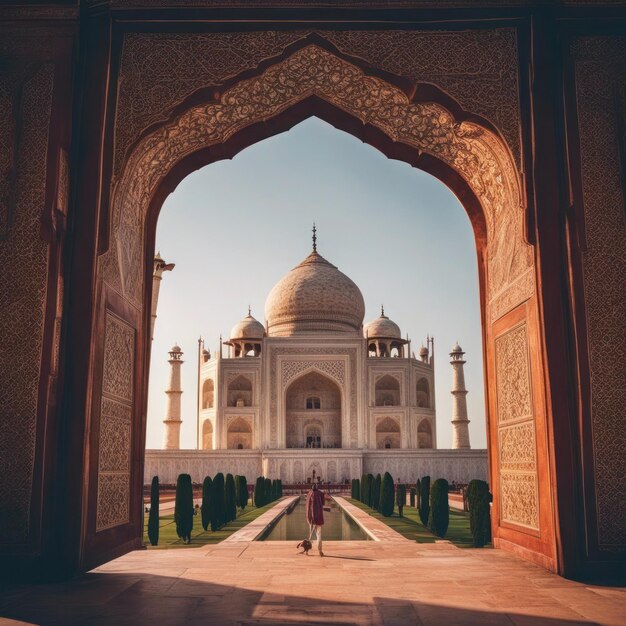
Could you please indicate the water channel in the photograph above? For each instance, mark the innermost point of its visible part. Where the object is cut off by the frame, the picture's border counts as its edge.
(338, 525)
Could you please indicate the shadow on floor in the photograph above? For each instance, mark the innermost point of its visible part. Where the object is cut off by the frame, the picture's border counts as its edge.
(148, 599)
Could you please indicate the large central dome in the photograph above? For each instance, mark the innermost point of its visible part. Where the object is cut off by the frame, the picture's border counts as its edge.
(314, 296)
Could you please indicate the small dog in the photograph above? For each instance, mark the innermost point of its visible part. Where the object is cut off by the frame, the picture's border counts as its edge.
(306, 545)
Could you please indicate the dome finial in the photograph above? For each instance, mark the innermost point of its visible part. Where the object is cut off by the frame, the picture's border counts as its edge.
(249, 311)
(314, 238)
(382, 310)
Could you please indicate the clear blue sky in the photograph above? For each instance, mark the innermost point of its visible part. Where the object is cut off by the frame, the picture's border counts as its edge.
(234, 228)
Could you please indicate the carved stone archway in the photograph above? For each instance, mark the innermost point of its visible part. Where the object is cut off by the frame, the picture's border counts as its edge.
(471, 158)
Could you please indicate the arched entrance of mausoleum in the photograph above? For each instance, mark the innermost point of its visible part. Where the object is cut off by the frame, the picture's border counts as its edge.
(465, 153)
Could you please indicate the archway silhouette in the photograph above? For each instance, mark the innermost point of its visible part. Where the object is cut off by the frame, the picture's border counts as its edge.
(461, 150)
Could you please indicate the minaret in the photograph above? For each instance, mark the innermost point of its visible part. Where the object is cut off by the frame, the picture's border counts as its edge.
(160, 266)
(172, 420)
(460, 430)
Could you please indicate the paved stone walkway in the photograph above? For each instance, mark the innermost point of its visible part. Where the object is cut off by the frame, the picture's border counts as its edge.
(387, 582)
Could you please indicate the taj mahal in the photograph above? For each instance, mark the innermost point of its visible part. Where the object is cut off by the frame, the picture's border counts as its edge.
(315, 392)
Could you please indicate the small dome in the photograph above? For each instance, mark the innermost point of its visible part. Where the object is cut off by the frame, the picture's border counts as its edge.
(314, 297)
(457, 348)
(382, 327)
(423, 351)
(176, 349)
(247, 328)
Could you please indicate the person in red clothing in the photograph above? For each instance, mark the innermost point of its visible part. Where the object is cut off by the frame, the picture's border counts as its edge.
(315, 514)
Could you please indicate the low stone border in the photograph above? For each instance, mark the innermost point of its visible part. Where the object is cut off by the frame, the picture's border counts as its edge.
(258, 526)
(377, 530)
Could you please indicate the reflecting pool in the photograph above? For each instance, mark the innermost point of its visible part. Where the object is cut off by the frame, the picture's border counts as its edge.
(292, 526)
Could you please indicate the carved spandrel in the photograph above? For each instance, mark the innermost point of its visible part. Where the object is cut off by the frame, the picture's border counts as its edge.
(469, 149)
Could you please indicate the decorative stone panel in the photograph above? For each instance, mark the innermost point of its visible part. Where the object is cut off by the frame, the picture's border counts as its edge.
(517, 451)
(600, 70)
(513, 376)
(518, 499)
(24, 257)
(114, 456)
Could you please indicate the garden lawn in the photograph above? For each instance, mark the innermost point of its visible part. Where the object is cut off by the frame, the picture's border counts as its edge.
(410, 525)
(199, 537)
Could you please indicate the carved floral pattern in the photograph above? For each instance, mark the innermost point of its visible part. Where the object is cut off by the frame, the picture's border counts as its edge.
(291, 369)
(513, 375)
(600, 70)
(519, 499)
(517, 447)
(22, 290)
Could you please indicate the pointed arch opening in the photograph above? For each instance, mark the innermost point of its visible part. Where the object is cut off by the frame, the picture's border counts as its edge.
(313, 412)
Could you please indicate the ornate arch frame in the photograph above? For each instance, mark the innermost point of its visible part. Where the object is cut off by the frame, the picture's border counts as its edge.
(282, 406)
(463, 151)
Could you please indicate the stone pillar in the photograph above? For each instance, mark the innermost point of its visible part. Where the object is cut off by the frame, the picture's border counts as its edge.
(172, 421)
(460, 430)
(160, 266)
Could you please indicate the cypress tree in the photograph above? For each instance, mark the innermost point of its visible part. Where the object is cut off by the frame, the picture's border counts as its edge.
(218, 512)
(425, 500)
(242, 493)
(280, 488)
(385, 505)
(376, 492)
(268, 491)
(357, 489)
(412, 497)
(205, 509)
(183, 507)
(230, 502)
(478, 497)
(439, 517)
(275, 489)
(363, 488)
(370, 491)
(400, 497)
(259, 488)
(153, 518)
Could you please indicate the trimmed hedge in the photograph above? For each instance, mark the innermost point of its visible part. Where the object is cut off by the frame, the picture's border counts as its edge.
(425, 500)
(230, 502)
(439, 517)
(218, 512)
(153, 518)
(478, 498)
(400, 497)
(385, 504)
(205, 509)
(183, 507)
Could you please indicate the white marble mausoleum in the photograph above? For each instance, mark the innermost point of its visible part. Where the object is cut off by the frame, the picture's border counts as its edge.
(315, 389)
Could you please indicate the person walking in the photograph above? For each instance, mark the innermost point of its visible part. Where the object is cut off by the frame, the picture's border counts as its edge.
(315, 499)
